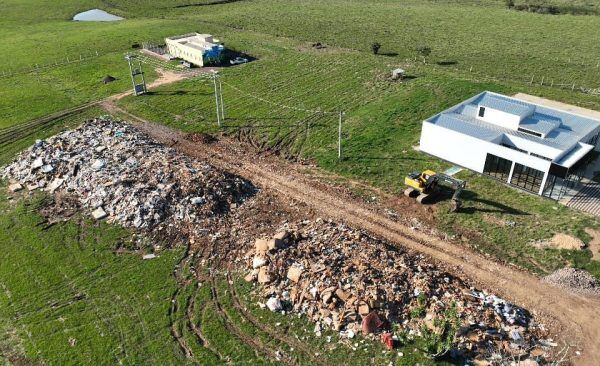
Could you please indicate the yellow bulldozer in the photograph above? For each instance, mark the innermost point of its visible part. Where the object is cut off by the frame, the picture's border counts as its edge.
(425, 186)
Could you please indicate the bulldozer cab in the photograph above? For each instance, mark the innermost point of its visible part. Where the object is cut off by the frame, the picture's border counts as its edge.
(421, 180)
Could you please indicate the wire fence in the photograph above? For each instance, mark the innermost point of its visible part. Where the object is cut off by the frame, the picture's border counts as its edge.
(535, 79)
(39, 68)
(532, 79)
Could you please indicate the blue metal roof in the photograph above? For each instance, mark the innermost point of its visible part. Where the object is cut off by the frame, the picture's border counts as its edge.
(561, 129)
(540, 123)
(502, 103)
(468, 126)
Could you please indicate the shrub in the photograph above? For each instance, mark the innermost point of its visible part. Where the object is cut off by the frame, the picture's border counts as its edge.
(375, 47)
(424, 51)
(441, 341)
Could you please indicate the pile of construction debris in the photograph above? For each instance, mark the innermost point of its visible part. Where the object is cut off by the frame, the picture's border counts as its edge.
(344, 280)
(118, 172)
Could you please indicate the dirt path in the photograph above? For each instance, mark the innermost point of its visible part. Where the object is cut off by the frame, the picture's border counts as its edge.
(165, 77)
(576, 317)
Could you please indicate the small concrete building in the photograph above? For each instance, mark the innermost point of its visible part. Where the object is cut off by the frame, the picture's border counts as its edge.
(195, 48)
(526, 145)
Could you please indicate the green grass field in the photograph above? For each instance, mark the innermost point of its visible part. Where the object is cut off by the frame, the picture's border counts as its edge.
(67, 298)
(277, 102)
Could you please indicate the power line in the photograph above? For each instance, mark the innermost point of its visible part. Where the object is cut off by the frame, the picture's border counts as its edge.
(278, 104)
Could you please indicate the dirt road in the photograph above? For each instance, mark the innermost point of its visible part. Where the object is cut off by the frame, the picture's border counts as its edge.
(576, 317)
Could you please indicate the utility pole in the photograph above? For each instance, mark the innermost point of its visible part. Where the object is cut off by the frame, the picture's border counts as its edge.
(136, 73)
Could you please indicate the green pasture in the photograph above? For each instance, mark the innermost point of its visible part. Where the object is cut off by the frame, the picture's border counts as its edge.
(293, 109)
(68, 298)
(288, 100)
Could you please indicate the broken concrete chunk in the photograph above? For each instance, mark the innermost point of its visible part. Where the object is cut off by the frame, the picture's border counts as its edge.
(198, 200)
(149, 256)
(98, 164)
(275, 244)
(326, 296)
(341, 294)
(54, 185)
(261, 246)
(274, 304)
(347, 334)
(528, 362)
(15, 187)
(264, 275)
(282, 235)
(32, 187)
(47, 168)
(258, 262)
(37, 163)
(363, 308)
(99, 213)
(252, 276)
(294, 273)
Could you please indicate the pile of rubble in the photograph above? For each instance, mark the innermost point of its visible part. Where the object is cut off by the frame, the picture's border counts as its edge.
(118, 172)
(575, 280)
(344, 280)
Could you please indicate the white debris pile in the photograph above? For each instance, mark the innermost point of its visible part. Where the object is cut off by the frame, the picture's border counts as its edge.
(118, 172)
(347, 281)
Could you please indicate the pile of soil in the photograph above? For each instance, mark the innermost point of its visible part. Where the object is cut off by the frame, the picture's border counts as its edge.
(561, 241)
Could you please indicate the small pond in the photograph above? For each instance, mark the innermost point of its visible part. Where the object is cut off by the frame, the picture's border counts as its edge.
(96, 15)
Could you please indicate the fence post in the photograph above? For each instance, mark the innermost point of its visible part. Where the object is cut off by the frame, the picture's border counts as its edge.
(542, 82)
(340, 136)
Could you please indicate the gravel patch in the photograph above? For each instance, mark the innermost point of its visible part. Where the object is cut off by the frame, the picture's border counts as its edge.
(575, 280)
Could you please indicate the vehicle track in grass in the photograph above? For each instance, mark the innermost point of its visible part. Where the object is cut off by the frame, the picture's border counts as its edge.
(287, 340)
(575, 318)
(215, 262)
(22, 130)
(182, 282)
(197, 330)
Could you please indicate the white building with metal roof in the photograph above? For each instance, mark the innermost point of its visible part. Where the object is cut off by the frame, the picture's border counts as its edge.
(530, 146)
(195, 48)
